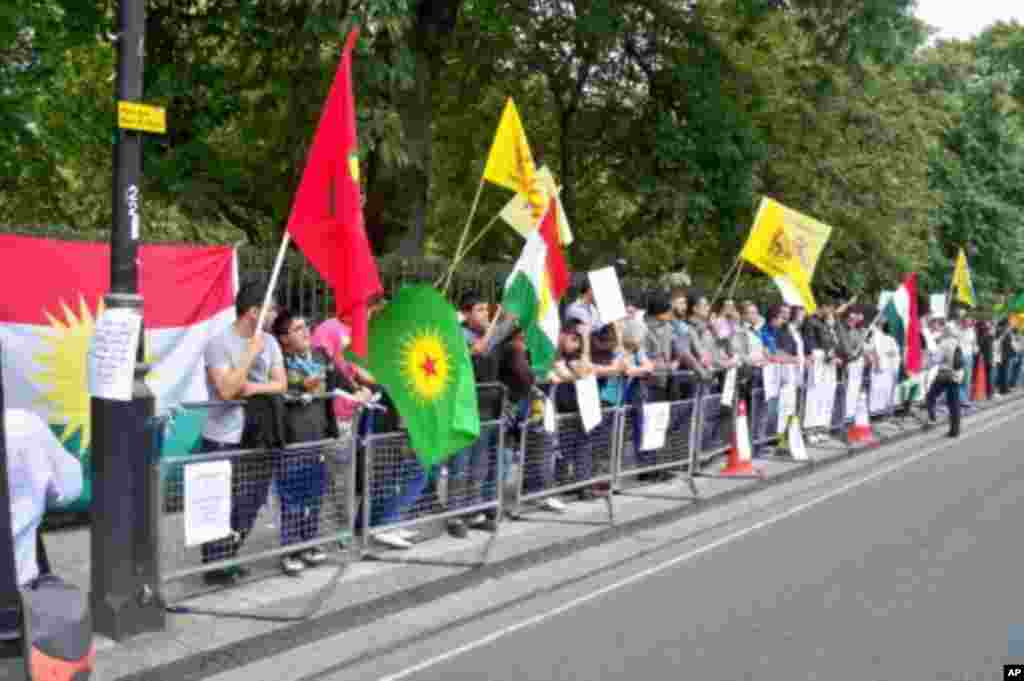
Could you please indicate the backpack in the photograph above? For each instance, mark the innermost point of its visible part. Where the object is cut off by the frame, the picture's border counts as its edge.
(48, 622)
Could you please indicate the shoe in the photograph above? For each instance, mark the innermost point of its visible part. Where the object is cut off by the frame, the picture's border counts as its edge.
(953, 434)
(458, 529)
(314, 557)
(392, 540)
(292, 566)
(407, 535)
(225, 576)
(554, 505)
(477, 520)
(488, 525)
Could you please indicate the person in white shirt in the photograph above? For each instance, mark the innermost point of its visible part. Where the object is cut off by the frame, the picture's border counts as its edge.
(40, 473)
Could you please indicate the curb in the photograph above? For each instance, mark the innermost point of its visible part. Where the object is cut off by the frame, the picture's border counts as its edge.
(262, 646)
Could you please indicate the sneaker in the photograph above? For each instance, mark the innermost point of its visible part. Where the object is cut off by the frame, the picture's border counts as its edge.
(477, 520)
(488, 525)
(407, 535)
(392, 540)
(226, 576)
(292, 566)
(458, 529)
(313, 557)
(554, 505)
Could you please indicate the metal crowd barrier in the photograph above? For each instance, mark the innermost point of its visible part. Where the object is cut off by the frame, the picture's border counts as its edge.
(680, 435)
(569, 458)
(399, 494)
(283, 502)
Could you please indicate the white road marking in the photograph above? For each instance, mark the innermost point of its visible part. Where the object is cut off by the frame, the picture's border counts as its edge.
(661, 567)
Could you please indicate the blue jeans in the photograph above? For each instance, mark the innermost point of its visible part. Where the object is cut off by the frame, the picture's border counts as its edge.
(470, 475)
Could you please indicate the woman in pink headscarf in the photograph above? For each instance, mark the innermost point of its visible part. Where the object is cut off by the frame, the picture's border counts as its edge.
(334, 336)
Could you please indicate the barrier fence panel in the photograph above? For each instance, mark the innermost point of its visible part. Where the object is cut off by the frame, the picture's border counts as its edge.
(714, 432)
(570, 458)
(282, 502)
(675, 453)
(400, 493)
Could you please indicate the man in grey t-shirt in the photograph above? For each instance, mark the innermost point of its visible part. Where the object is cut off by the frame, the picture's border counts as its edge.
(240, 362)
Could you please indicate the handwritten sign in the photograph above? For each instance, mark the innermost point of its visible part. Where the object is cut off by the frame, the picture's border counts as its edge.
(854, 379)
(607, 295)
(656, 417)
(111, 358)
(207, 501)
(589, 402)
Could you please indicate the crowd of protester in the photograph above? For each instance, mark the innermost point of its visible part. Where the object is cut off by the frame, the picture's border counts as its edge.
(635, 359)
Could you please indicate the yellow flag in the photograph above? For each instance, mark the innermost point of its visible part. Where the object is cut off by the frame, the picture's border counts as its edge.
(786, 244)
(519, 214)
(962, 280)
(510, 163)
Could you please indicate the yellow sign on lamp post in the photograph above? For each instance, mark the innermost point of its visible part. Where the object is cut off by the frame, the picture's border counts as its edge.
(142, 117)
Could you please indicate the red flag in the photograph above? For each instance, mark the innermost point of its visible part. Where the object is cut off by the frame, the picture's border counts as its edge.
(327, 216)
(558, 271)
(913, 356)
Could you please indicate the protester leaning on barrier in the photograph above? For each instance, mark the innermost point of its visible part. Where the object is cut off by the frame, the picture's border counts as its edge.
(241, 363)
(948, 356)
(986, 354)
(469, 470)
(302, 479)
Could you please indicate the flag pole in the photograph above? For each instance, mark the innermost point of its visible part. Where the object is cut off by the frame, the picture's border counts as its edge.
(739, 273)
(459, 256)
(725, 279)
(465, 233)
(273, 280)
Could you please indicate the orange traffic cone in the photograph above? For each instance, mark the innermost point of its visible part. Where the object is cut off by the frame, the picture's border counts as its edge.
(980, 388)
(738, 462)
(860, 432)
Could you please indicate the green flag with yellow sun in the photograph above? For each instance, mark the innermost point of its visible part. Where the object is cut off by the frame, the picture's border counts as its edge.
(418, 352)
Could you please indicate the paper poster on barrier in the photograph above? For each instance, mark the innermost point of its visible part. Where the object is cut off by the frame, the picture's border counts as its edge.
(821, 398)
(787, 406)
(854, 382)
(772, 374)
(797, 449)
(549, 416)
(729, 387)
(589, 402)
(882, 384)
(207, 501)
(607, 295)
(937, 304)
(656, 418)
(818, 367)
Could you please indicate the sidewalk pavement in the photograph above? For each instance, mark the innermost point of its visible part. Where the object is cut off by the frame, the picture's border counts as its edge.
(196, 646)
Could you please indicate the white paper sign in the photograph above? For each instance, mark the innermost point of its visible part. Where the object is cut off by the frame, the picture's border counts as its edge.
(937, 305)
(656, 418)
(207, 501)
(549, 416)
(821, 399)
(854, 380)
(787, 406)
(607, 295)
(589, 402)
(772, 374)
(111, 358)
(729, 387)
(797, 449)
(882, 384)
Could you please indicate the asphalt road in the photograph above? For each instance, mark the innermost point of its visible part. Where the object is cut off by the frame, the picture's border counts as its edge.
(911, 570)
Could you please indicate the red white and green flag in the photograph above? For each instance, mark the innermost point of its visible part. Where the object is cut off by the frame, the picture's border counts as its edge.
(47, 323)
(532, 291)
(899, 308)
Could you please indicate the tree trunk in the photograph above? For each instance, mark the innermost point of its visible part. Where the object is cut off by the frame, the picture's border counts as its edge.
(435, 22)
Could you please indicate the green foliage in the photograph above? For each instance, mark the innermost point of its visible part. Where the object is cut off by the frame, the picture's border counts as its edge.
(665, 121)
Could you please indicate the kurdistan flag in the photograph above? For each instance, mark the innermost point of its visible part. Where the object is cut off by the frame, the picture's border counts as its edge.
(46, 327)
(533, 290)
(418, 352)
(900, 310)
